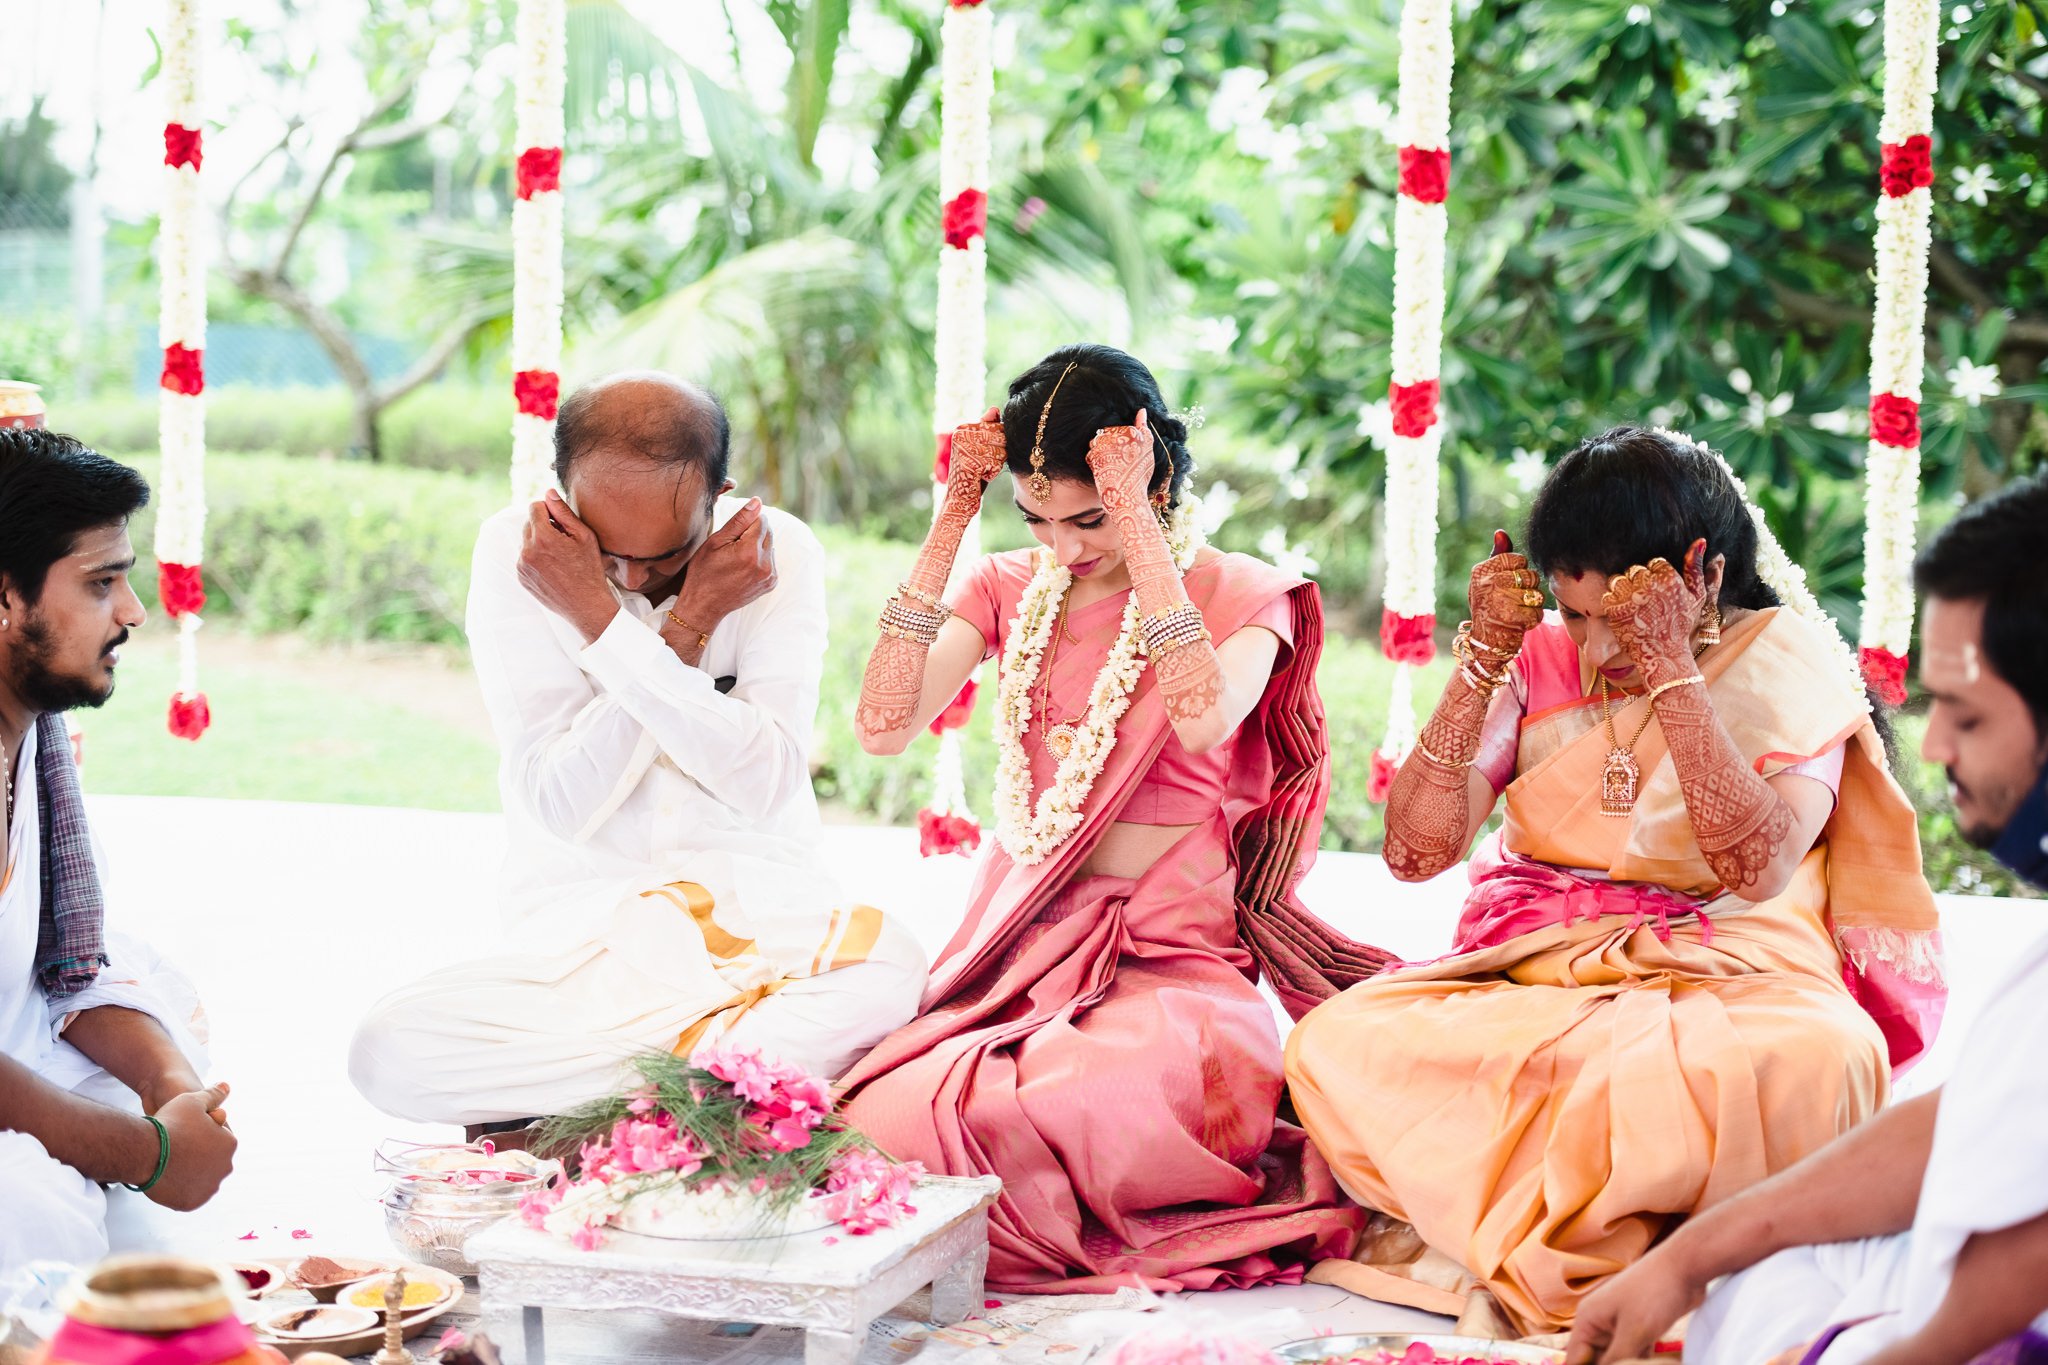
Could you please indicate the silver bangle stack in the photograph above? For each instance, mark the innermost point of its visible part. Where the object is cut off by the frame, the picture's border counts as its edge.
(1166, 631)
(912, 615)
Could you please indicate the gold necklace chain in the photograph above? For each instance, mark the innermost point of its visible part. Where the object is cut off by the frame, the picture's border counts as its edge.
(1058, 739)
(1620, 776)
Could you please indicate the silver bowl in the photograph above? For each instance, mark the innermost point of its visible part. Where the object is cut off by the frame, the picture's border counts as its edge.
(1460, 1349)
(430, 1211)
(430, 1223)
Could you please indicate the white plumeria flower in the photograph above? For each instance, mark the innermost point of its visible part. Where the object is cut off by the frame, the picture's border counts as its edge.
(1975, 185)
(1759, 412)
(1639, 14)
(1739, 380)
(1528, 469)
(1376, 423)
(1973, 383)
(1718, 103)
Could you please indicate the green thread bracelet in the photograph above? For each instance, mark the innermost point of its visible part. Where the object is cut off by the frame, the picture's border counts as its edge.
(163, 1157)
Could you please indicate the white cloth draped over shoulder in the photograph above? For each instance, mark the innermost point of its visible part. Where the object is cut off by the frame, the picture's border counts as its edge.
(1988, 1170)
(48, 1211)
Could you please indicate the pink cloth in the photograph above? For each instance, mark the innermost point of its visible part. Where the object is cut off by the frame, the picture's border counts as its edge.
(1180, 788)
(1100, 1043)
(217, 1343)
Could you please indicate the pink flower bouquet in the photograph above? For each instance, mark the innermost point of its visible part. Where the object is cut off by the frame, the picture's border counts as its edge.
(734, 1140)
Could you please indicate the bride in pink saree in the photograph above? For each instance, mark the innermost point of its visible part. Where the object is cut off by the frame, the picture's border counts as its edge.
(1093, 1033)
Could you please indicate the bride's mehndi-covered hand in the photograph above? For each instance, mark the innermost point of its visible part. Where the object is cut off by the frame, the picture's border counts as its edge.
(1121, 458)
(976, 456)
(1191, 677)
(1653, 610)
(893, 685)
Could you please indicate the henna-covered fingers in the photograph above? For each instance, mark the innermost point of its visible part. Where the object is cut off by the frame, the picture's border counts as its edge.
(1506, 598)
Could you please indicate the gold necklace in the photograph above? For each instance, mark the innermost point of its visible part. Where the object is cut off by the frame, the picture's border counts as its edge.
(1061, 738)
(1620, 776)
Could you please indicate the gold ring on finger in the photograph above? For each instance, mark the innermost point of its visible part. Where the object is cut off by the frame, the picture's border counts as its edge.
(1532, 598)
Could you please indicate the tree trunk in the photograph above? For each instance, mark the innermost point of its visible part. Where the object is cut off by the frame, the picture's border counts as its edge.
(363, 437)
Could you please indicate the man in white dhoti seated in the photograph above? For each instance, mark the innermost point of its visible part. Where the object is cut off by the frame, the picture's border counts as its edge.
(99, 1045)
(1920, 1238)
(649, 648)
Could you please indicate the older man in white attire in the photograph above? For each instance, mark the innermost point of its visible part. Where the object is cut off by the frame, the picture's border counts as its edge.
(649, 649)
(99, 1045)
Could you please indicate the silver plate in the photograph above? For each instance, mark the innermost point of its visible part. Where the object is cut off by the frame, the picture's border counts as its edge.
(1457, 1348)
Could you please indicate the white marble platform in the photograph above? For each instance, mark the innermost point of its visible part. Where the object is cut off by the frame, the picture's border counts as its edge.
(293, 918)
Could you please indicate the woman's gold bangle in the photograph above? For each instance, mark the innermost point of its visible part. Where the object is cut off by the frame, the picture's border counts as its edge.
(1661, 688)
(1420, 748)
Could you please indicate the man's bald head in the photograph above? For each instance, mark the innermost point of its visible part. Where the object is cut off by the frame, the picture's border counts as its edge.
(647, 415)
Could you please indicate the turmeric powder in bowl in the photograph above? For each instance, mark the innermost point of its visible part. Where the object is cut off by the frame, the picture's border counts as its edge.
(418, 1294)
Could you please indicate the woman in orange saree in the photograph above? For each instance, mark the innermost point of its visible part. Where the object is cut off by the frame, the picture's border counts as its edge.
(1093, 1034)
(1695, 951)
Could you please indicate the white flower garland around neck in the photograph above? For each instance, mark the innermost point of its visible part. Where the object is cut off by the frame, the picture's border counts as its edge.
(1031, 835)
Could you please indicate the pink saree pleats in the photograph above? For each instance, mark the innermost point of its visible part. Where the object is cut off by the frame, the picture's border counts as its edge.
(1118, 1069)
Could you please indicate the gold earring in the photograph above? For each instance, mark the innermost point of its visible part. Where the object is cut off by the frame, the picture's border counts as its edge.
(1041, 486)
(1710, 626)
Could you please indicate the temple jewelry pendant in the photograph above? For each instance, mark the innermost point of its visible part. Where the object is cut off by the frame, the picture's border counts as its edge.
(1618, 779)
(1059, 741)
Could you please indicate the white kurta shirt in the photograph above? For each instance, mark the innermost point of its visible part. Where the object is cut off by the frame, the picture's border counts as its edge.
(24, 1018)
(623, 768)
(1987, 1170)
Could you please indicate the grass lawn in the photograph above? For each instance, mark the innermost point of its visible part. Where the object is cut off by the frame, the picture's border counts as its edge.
(385, 726)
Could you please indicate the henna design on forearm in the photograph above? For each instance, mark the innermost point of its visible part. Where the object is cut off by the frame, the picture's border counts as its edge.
(892, 687)
(1429, 809)
(1738, 818)
(893, 683)
(1191, 678)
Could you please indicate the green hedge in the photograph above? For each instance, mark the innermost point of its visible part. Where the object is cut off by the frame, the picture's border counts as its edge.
(345, 551)
(460, 427)
(335, 550)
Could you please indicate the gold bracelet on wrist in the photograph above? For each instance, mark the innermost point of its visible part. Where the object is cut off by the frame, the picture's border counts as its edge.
(703, 636)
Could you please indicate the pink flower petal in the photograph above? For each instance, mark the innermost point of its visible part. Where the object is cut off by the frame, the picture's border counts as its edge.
(831, 1242)
(301, 1235)
(991, 1303)
(246, 1237)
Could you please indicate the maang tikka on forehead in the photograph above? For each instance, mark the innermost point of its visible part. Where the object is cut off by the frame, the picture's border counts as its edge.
(1040, 485)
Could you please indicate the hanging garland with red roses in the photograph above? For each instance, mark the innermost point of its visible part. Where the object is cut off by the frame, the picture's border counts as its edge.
(541, 35)
(1898, 346)
(181, 331)
(1421, 225)
(966, 84)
